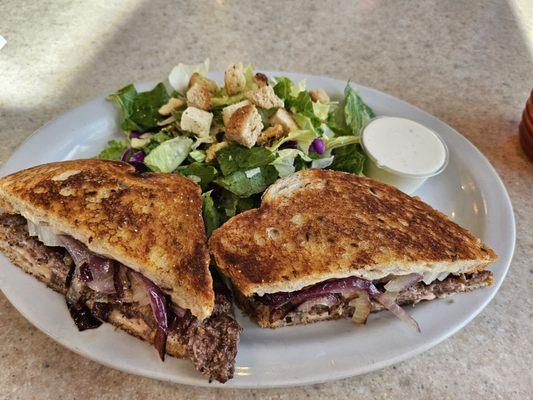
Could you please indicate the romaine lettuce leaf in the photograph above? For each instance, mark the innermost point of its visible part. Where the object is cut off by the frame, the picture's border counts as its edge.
(113, 150)
(210, 214)
(247, 183)
(340, 141)
(305, 123)
(284, 163)
(356, 112)
(322, 162)
(283, 87)
(181, 74)
(168, 155)
(321, 110)
(140, 110)
(298, 88)
(304, 138)
(236, 157)
(349, 158)
(124, 98)
(205, 173)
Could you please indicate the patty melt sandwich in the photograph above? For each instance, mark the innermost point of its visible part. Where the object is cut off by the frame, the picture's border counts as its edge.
(125, 248)
(327, 245)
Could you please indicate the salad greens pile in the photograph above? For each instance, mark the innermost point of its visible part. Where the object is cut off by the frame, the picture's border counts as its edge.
(323, 134)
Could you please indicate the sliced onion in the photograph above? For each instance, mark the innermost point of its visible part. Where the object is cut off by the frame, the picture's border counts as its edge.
(103, 275)
(443, 276)
(327, 300)
(78, 251)
(158, 302)
(341, 286)
(362, 307)
(45, 234)
(402, 282)
(138, 289)
(388, 300)
(122, 284)
(178, 311)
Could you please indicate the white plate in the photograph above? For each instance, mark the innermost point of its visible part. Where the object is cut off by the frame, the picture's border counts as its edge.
(469, 191)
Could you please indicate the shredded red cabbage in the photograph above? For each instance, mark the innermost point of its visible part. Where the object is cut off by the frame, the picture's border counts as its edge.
(317, 146)
(135, 134)
(289, 144)
(137, 160)
(126, 154)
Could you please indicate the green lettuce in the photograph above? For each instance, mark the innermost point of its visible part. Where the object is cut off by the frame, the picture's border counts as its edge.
(168, 155)
(140, 110)
(210, 214)
(304, 138)
(205, 173)
(113, 150)
(356, 112)
(349, 158)
(247, 183)
(236, 157)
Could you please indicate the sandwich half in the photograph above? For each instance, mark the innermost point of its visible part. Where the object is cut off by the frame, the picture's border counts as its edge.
(328, 245)
(125, 248)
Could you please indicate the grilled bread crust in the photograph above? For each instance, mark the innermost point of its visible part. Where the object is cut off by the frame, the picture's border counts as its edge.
(320, 224)
(151, 223)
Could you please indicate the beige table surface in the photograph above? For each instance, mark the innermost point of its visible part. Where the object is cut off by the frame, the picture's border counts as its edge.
(468, 63)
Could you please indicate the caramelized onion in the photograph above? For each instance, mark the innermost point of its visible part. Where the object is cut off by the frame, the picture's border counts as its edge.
(362, 307)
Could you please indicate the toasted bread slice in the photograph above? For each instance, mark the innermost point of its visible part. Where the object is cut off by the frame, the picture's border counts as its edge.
(316, 225)
(151, 223)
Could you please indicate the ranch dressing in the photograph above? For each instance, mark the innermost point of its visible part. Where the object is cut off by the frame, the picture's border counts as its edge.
(402, 152)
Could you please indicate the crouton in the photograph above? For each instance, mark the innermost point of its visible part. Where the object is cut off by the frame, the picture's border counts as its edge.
(210, 85)
(172, 104)
(265, 98)
(211, 152)
(229, 110)
(244, 125)
(271, 134)
(198, 96)
(284, 118)
(234, 79)
(319, 95)
(261, 79)
(196, 121)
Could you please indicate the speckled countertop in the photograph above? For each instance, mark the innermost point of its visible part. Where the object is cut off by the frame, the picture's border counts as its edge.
(468, 63)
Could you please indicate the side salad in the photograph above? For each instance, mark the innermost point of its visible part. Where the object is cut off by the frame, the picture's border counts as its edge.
(235, 140)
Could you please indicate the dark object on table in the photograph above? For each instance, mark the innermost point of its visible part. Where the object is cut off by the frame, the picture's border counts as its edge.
(525, 128)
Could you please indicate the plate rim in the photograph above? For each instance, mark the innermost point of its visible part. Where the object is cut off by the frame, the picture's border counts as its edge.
(294, 382)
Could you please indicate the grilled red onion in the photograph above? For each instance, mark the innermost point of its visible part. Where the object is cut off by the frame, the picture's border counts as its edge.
(96, 272)
(158, 301)
(327, 300)
(388, 300)
(78, 251)
(277, 300)
(102, 272)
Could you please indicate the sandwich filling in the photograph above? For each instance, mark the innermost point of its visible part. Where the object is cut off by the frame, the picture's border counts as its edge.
(356, 298)
(100, 289)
